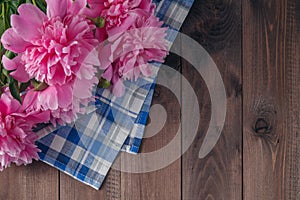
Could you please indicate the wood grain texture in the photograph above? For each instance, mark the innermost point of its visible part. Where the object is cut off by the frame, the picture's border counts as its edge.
(71, 189)
(37, 181)
(216, 25)
(271, 99)
(164, 183)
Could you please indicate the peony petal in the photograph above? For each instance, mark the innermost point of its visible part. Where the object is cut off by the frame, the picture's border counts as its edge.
(18, 132)
(146, 5)
(57, 8)
(32, 14)
(87, 72)
(20, 74)
(36, 117)
(95, 9)
(12, 104)
(123, 27)
(146, 69)
(29, 99)
(135, 3)
(48, 98)
(8, 64)
(92, 58)
(13, 41)
(108, 74)
(77, 7)
(27, 30)
(65, 96)
(105, 56)
(82, 88)
(118, 87)
(101, 34)
(4, 108)
(42, 117)
(59, 76)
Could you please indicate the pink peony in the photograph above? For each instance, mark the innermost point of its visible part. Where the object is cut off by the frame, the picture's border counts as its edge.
(54, 49)
(16, 136)
(118, 14)
(67, 100)
(128, 54)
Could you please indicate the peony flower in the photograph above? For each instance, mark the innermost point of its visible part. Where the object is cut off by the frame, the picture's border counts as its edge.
(65, 101)
(54, 49)
(16, 135)
(128, 54)
(118, 14)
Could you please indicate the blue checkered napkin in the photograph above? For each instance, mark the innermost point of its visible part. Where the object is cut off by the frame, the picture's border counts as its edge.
(133, 141)
(86, 149)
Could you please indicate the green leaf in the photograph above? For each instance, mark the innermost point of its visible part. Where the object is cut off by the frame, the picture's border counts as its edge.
(14, 6)
(99, 21)
(104, 83)
(14, 90)
(2, 29)
(40, 4)
(24, 86)
(10, 54)
(2, 25)
(5, 72)
(1, 83)
(21, 2)
(4, 76)
(2, 18)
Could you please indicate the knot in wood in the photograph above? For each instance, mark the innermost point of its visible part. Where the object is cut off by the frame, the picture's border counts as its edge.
(262, 126)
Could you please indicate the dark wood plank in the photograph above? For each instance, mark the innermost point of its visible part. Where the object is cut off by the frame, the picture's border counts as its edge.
(164, 183)
(71, 189)
(271, 99)
(216, 25)
(35, 181)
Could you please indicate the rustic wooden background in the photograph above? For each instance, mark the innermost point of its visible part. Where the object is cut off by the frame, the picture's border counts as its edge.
(255, 44)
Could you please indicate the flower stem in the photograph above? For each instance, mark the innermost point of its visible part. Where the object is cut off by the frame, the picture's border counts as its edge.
(34, 3)
(2, 77)
(3, 10)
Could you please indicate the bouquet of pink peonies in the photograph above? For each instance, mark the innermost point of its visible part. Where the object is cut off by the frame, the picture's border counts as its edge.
(52, 55)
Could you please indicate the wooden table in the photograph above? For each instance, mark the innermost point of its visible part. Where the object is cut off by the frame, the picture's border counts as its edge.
(255, 44)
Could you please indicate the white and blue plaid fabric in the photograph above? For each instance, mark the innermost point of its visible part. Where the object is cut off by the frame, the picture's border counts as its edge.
(86, 149)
